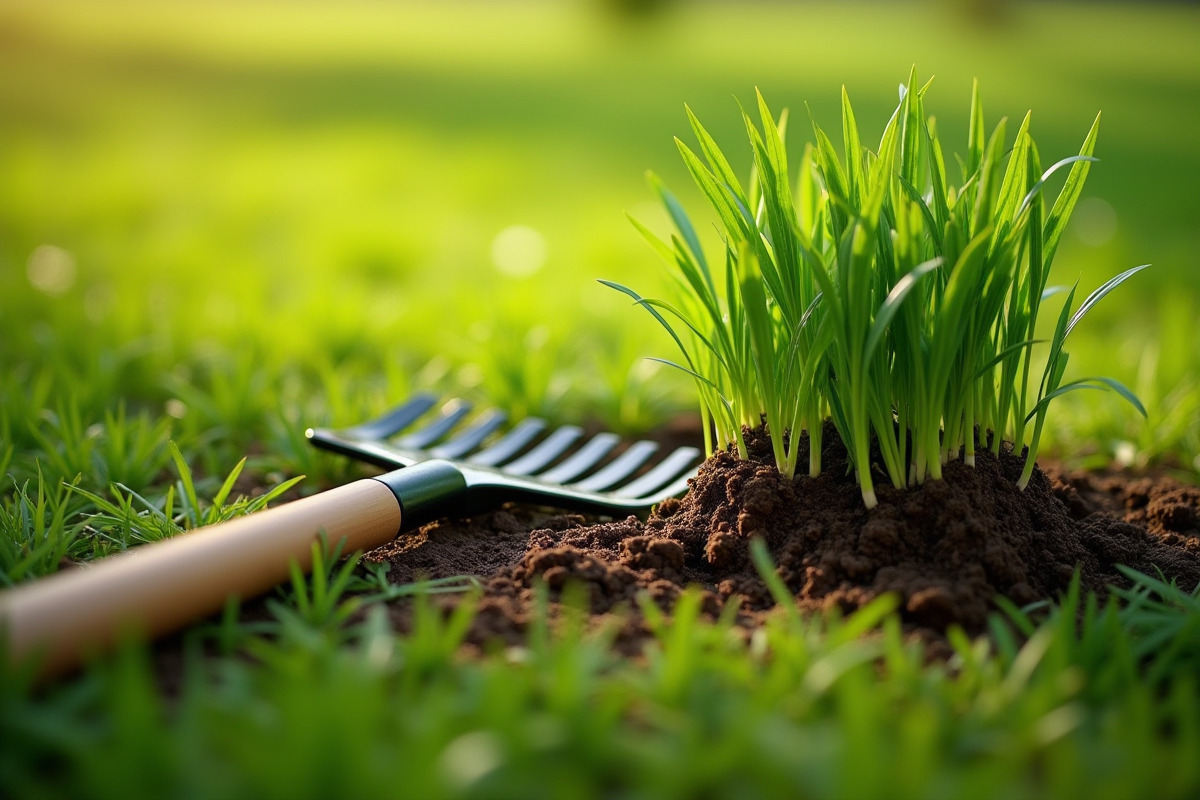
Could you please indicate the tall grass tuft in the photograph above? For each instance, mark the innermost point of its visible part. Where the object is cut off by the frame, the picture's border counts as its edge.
(876, 291)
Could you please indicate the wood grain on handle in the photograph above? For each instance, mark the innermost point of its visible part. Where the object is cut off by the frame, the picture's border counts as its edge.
(159, 587)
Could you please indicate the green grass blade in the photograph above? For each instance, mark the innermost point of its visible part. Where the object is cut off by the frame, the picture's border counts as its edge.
(1069, 195)
(911, 130)
(192, 510)
(853, 150)
(1012, 186)
(762, 345)
(732, 415)
(977, 134)
(1101, 383)
(662, 248)
(683, 224)
(734, 216)
(1124, 391)
(931, 222)
(893, 302)
(1098, 295)
(780, 264)
(834, 178)
(984, 180)
(937, 178)
(263, 499)
(1006, 353)
(1055, 364)
(223, 493)
(716, 159)
(1041, 182)
(639, 300)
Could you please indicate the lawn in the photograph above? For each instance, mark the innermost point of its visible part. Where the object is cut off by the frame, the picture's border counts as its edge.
(222, 223)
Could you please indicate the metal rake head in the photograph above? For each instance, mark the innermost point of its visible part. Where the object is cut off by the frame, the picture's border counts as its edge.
(527, 462)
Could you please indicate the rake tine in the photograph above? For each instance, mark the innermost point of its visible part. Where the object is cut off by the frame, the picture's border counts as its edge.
(582, 459)
(472, 437)
(618, 469)
(453, 413)
(395, 420)
(512, 443)
(666, 470)
(526, 461)
(549, 449)
(380, 454)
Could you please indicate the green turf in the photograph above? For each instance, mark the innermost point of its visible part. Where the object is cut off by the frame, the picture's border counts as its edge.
(221, 223)
(345, 173)
(800, 708)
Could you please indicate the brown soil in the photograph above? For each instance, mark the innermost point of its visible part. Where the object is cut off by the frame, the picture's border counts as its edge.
(947, 549)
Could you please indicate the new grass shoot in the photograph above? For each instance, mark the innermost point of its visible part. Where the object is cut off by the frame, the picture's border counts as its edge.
(877, 292)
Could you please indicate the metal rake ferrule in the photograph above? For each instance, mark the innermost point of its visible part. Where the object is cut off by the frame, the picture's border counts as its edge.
(446, 459)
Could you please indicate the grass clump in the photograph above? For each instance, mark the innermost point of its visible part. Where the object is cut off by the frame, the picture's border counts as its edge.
(877, 292)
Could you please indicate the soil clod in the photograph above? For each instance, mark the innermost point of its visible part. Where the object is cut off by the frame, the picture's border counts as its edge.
(947, 548)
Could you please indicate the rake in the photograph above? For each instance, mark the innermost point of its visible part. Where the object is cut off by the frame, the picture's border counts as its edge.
(444, 460)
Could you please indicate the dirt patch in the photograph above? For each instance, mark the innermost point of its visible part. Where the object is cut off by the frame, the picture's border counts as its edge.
(946, 549)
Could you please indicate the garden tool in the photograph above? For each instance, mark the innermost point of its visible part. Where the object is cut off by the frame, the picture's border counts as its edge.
(451, 463)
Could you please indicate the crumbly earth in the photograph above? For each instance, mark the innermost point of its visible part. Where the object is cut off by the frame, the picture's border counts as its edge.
(947, 549)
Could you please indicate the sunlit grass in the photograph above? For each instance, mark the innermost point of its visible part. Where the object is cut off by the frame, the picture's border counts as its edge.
(201, 184)
(279, 216)
(1077, 699)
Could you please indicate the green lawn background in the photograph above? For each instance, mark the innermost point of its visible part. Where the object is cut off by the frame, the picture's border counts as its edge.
(274, 214)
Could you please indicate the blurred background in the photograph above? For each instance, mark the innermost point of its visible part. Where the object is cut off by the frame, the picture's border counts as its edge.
(229, 220)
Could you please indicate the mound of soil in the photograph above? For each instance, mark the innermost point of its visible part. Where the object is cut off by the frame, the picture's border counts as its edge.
(946, 548)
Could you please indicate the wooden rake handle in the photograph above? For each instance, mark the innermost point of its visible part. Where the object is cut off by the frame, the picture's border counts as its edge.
(156, 588)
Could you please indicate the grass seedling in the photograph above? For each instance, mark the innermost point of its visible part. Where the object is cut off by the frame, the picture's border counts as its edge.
(130, 518)
(35, 536)
(877, 292)
(319, 600)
